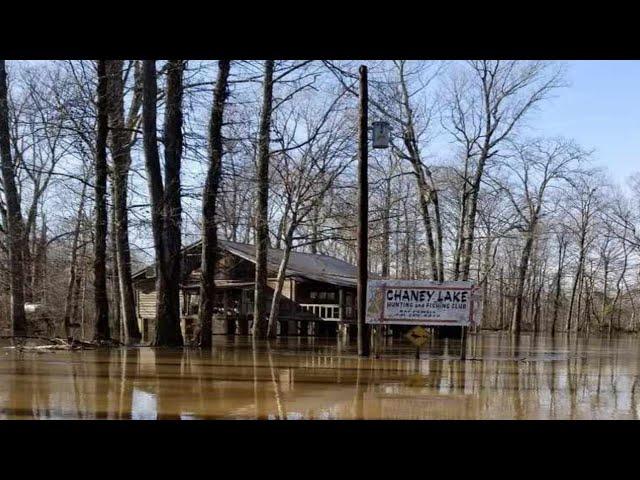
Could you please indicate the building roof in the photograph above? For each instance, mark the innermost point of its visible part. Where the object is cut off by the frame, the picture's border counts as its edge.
(321, 268)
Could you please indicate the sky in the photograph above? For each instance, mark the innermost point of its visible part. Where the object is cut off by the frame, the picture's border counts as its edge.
(601, 111)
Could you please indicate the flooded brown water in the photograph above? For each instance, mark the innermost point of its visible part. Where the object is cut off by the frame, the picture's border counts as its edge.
(298, 378)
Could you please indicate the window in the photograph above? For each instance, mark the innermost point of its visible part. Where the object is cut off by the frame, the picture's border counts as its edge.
(322, 295)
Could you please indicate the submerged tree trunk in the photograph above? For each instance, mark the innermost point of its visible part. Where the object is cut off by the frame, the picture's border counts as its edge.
(621, 277)
(15, 224)
(155, 184)
(209, 199)
(262, 226)
(121, 162)
(562, 248)
(522, 275)
(77, 288)
(73, 270)
(115, 276)
(168, 328)
(604, 297)
(575, 284)
(282, 270)
(101, 304)
(486, 268)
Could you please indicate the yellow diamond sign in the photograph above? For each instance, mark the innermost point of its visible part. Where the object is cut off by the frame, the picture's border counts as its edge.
(418, 335)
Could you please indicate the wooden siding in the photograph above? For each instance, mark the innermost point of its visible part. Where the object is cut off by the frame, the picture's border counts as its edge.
(146, 304)
(297, 291)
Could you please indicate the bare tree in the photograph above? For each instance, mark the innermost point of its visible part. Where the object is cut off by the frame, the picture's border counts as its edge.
(209, 200)
(15, 226)
(101, 319)
(262, 226)
(120, 148)
(101, 332)
(168, 327)
(563, 242)
(537, 166)
(580, 213)
(304, 176)
(485, 105)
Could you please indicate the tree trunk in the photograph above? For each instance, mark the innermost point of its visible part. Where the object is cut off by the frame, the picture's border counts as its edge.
(121, 162)
(77, 289)
(621, 277)
(282, 270)
(604, 296)
(101, 319)
(73, 268)
(428, 194)
(536, 301)
(460, 240)
(40, 261)
(262, 226)
(386, 229)
(115, 275)
(501, 300)
(315, 223)
(562, 247)
(470, 222)
(522, 275)
(168, 327)
(27, 266)
(486, 267)
(156, 188)
(575, 283)
(15, 224)
(209, 200)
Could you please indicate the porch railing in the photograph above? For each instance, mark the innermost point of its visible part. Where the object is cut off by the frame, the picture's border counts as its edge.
(328, 312)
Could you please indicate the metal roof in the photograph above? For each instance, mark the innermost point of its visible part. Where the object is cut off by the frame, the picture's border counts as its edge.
(318, 267)
(321, 268)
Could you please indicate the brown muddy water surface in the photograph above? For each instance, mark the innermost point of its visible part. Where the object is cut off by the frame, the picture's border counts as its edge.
(299, 378)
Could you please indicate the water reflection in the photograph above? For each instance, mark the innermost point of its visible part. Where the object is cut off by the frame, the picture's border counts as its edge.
(503, 377)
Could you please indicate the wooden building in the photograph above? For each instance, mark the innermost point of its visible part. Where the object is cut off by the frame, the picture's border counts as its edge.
(319, 292)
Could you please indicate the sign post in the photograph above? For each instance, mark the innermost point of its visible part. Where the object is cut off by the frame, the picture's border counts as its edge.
(423, 303)
(418, 336)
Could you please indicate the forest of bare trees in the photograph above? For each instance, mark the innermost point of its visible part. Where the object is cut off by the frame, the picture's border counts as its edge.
(110, 165)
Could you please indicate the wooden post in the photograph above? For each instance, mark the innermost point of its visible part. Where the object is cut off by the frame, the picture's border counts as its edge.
(243, 321)
(230, 321)
(363, 214)
(342, 326)
(463, 344)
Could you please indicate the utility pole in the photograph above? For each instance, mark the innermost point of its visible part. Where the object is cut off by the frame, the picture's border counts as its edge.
(363, 215)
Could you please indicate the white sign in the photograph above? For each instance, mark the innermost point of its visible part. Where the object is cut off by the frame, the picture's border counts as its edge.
(422, 302)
